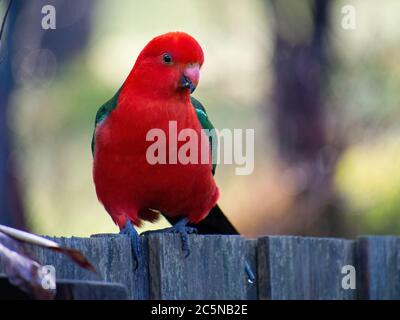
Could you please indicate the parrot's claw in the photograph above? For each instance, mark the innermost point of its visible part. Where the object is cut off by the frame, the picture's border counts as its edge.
(181, 228)
(130, 231)
(184, 231)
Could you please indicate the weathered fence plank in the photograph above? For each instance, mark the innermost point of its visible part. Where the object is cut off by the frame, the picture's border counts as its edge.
(112, 256)
(70, 290)
(303, 268)
(90, 290)
(379, 267)
(215, 268)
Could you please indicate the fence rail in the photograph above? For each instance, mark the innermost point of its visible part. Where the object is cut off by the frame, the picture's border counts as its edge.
(286, 267)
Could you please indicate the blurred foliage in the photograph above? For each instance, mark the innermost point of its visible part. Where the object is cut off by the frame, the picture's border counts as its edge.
(365, 94)
(369, 175)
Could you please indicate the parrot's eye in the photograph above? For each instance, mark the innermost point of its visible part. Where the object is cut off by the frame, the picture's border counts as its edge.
(167, 58)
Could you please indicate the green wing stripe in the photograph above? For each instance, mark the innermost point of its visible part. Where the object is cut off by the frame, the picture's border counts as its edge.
(206, 124)
(103, 112)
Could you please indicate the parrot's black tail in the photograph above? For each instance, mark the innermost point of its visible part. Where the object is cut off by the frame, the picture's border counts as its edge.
(215, 223)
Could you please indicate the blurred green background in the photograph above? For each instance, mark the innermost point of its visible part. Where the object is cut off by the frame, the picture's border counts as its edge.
(59, 78)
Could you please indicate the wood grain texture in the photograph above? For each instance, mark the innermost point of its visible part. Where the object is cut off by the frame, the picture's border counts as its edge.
(110, 254)
(215, 268)
(70, 290)
(90, 290)
(379, 267)
(303, 268)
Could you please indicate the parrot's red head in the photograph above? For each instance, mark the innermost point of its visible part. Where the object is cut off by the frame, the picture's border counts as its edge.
(169, 64)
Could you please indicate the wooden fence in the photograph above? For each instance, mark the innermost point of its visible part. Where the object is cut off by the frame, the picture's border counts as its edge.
(286, 267)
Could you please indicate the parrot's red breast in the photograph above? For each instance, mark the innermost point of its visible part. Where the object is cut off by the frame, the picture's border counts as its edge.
(153, 95)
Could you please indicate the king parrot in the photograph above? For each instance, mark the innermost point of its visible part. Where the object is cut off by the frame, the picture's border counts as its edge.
(156, 92)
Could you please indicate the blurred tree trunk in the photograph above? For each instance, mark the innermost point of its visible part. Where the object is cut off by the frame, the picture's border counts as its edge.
(25, 36)
(301, 66)
(11, 207)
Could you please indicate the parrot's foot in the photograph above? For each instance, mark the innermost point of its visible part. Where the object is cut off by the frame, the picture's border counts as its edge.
(181, 228)
(135, 241)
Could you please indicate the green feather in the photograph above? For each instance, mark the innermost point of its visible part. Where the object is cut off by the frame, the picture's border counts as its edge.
(206, 124)
(103, 112)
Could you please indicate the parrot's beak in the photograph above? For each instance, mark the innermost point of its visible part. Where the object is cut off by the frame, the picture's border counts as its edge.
(190, 77)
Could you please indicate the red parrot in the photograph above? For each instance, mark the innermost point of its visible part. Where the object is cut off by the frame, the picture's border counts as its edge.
(156, 92)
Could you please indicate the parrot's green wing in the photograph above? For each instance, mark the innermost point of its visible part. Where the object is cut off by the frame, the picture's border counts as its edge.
(102, 113)
(206, 124)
